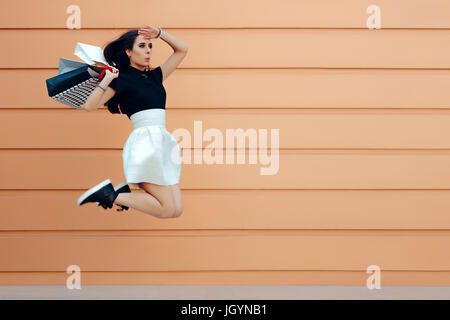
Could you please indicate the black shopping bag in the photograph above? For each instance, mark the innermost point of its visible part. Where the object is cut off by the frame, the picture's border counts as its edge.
(72, 88)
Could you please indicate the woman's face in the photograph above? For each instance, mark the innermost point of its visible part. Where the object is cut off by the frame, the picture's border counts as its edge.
(141, 53)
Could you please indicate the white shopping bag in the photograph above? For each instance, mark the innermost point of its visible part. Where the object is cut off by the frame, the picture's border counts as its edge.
(90, 54)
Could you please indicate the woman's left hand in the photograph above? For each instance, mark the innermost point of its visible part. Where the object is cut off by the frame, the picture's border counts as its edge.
(148, 32)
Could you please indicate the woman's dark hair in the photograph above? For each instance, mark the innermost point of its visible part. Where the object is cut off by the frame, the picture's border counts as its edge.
(116, 56)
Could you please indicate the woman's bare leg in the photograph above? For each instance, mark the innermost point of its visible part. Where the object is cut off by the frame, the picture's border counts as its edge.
(178, 199)
(156, 200)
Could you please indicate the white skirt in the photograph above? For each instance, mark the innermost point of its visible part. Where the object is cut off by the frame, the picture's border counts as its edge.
(151, 153)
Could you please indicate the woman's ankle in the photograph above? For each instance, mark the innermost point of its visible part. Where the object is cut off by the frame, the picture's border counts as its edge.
(119, 199)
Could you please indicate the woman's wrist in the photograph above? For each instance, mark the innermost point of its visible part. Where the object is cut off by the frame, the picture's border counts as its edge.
(160, 33)
(106, 81)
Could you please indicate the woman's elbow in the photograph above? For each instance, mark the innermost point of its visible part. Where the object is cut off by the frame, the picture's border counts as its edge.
(85, 107)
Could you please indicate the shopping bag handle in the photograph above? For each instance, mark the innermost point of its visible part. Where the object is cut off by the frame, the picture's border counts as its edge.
(102, 74)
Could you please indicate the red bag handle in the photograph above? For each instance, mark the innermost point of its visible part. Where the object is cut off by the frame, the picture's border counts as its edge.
(102, 74)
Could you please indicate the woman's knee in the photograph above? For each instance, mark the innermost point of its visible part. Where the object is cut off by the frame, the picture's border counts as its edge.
(172, 211)
(178, 211)
(169, 211)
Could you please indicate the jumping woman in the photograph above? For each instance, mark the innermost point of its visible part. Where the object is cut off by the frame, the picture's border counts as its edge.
(151, 155)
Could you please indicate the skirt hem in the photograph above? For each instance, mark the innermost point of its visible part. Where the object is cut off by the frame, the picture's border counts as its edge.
(136, 184)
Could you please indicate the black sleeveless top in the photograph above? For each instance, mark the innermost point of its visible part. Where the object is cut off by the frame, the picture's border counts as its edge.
(138, 90)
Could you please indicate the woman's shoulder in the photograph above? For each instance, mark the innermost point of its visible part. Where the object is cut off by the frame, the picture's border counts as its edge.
(123, 77)
(157, 74)
(119, 83)
(123, 74)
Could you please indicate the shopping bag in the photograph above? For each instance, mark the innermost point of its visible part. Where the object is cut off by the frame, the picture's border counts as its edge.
(90, 54)
(76, 80)
(73, 87)
(66, 65)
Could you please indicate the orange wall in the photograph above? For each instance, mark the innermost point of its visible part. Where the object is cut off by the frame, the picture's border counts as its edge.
(364, 155)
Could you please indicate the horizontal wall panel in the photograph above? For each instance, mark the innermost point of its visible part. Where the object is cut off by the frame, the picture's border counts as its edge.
(206, 253)
(312, 278)
(235, 210)
(296, 129)
(249, 48)
(360, 175)
(226, 14)
(79, 169)
(264, 88)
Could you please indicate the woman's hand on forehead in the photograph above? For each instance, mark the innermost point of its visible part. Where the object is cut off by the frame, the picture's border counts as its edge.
(148, 32)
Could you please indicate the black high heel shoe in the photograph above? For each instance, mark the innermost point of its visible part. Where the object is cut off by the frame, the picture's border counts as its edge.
(103, 194)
